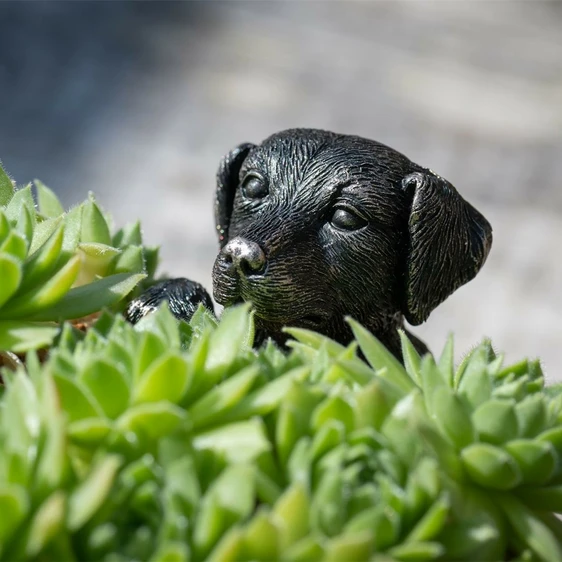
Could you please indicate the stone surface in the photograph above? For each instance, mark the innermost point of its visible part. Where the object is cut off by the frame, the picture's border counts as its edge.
(138, 102)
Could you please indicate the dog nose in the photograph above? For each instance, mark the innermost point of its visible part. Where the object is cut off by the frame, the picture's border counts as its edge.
(247, 257)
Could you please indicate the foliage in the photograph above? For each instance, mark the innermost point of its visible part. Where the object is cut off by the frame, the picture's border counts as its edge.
(168, 441)
(58, 266)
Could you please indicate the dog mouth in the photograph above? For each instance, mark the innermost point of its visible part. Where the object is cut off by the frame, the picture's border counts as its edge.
(312, 321)
(273, 309)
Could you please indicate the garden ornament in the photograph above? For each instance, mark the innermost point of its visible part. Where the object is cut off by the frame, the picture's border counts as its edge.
(315, 226)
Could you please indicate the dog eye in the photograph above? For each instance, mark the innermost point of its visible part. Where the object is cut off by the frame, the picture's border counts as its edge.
(254, 187)
(346, 220)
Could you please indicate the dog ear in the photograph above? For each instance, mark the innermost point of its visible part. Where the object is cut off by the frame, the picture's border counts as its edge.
(227, 183)
(449, 241)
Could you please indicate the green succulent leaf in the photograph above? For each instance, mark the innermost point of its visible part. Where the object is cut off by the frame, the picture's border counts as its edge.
(379, 357)
(14, 506)
(11, 275)
(34, 303)
(412, 359)
(48, 203)
(42, 262)
(21, 336)
(48, 521)
(491, 467)
(530, 529)
(107, 385)
(182, 442)
(82, 301)
(6, 187)
(93, 491)
(152, 420)
(94, 225)
(166, 379)
(14, 245)
(21, 198)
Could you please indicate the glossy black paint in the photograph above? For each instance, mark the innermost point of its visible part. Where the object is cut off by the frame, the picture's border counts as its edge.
(183, 296)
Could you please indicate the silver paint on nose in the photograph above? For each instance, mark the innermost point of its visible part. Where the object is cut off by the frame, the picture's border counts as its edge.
(246, 256)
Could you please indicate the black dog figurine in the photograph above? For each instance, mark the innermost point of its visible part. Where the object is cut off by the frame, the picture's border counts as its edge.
(314, 226)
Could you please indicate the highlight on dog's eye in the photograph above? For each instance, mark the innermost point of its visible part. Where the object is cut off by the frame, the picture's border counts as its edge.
(346, 220)
(254, 187)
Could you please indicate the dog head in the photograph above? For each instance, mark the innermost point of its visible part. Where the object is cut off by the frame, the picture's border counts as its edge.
(314, 226)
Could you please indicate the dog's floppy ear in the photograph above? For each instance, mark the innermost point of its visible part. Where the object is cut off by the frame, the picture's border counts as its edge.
(449, 241)
(227, 183)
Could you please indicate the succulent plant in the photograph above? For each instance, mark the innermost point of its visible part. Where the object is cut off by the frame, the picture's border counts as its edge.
(167, 441)
(58, 266)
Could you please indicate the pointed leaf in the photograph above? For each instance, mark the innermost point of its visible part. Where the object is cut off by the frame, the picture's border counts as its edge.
(292, 512)
(6, 187)
(108, 385)
(94, 225)
(10, 274)
(416, 551)
(48, 203)
(495, 421)
(235, 332)
(315, 340)
(530, 529)
(379, 357)
(491, 466)
(72, 230)
(14, 245)
(432, 522)
(350, 546)
(131, 260)
(130, 234)
(33, 303)
(84, 300)
(96, 261)
(76, 400)
(43, 230)
(153, 419)
(226, 395)
(412, 359)
(22, 198)
(261, 540)
(5, 226)
(89, 432)
(14, 505)
(25, 226)
(90, 494)
(19, 337)
(239, 442)
(46, 523)
(452, 418)
(446, 361)
(43, 261)
(166, 379)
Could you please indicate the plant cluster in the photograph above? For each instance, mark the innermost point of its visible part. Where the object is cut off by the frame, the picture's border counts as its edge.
(59, 266)
(168, 441)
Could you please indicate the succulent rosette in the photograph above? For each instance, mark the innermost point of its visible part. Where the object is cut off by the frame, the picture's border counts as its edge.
(57, 265)
(168, 441)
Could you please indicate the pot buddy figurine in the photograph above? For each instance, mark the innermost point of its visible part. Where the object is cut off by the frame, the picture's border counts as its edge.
(315, 226)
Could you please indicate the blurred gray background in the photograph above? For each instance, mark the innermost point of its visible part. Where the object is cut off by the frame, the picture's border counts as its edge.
(138, 101)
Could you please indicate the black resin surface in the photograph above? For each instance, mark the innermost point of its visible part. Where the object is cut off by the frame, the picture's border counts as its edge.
(314, 226)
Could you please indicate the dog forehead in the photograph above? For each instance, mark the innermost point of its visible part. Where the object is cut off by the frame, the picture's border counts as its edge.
(302, 154)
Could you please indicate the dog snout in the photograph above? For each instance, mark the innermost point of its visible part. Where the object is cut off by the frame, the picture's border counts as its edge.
(245, 256)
